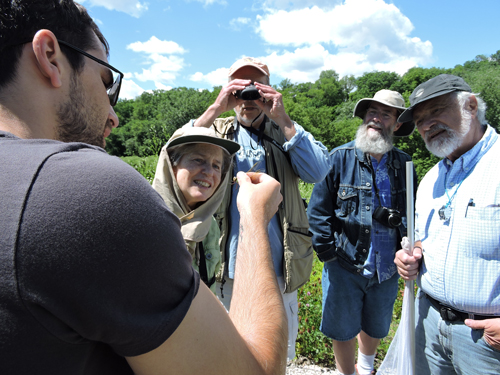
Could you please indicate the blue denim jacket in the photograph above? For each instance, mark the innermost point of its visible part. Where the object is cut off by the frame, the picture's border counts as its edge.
(340, 209)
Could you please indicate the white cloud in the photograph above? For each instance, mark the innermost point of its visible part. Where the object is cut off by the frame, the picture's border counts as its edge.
(161, 86)
(133, 7)
(300, 65)
(210, 2)
(298, 4)
(216, 78)
(161, 69)
(306, 37)
(366, 35)
(130, 89)
(155, 45)
(236, 23)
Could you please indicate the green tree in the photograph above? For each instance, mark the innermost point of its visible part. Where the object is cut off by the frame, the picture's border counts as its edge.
(369, 83)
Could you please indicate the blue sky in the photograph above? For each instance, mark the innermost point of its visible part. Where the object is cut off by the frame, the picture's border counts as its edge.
(160, 44)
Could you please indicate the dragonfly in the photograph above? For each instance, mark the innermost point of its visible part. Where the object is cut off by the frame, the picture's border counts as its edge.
(235, 180)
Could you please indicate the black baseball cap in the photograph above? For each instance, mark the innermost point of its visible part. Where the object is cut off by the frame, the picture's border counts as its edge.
(437, 86)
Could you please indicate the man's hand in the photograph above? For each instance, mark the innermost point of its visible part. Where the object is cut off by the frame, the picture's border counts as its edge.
(259, 196)
(408, 265)
(226, 99)
(274, 109)
(491, 330)
(252, 338)
(225, 102)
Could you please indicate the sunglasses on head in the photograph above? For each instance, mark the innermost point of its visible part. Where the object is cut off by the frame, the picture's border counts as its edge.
(114, 89)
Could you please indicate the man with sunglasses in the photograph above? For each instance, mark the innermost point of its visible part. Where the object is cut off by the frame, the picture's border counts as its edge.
(94, 273)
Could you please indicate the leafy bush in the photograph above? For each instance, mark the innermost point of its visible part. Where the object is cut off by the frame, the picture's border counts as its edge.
(145, 166)
(311, 343)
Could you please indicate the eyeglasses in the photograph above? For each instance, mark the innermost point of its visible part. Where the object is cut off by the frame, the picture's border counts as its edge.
(114, 89)
(380, 114)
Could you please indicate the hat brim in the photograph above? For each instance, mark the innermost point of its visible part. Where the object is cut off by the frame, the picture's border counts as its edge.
(229, 146)
(405, 129)
(253, 66)
(407, 115)
(362, 105)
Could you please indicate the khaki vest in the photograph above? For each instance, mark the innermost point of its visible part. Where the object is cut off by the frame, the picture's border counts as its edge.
(297, 240)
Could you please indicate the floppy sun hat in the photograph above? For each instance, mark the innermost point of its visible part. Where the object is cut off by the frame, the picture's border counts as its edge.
(201, 134)
(389, 98)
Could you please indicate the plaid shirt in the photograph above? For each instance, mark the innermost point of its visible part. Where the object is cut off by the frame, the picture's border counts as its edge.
(461, 264)
(382, 248)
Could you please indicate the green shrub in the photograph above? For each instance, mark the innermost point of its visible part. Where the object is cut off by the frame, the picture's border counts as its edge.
(311, 343)
(145, 166)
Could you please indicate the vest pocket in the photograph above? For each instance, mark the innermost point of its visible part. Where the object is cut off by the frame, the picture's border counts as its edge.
(298, 256)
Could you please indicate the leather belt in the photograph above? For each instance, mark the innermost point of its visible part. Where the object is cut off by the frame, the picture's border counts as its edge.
(451, 315)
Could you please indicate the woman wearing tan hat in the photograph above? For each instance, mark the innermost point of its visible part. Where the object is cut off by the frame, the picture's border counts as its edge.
(188, 176)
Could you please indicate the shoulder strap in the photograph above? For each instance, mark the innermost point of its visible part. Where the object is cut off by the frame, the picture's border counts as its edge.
(203, 267)
(261, 135)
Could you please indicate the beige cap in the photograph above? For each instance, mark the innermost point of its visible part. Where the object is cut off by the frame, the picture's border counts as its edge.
(389, 98)
(248, 61)
(195, 134)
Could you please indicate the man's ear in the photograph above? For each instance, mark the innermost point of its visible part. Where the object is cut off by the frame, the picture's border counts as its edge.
(471, 105)
(398, 125)
(49, 56)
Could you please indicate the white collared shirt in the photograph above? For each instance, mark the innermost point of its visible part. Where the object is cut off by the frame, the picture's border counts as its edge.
(461, 266)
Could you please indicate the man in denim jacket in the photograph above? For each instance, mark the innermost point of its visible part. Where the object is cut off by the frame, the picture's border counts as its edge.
(358, 217)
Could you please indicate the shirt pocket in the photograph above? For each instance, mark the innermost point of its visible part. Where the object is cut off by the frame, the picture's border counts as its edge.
(347, 201)
(480, 235)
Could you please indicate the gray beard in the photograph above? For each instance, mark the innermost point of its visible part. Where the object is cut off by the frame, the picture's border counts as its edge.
(379, 143)
(453, 139)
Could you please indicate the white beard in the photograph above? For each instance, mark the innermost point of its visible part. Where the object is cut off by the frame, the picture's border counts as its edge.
(377, 143)
(446, 144)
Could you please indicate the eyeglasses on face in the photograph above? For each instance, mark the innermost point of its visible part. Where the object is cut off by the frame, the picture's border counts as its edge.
(114, 89)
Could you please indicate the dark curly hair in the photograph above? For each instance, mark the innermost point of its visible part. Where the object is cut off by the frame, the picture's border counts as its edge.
(21, 19)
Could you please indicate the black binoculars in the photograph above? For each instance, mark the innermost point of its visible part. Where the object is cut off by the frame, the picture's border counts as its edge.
(248, 93)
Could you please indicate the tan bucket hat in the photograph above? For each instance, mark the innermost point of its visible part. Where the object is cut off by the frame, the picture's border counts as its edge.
(389, 98)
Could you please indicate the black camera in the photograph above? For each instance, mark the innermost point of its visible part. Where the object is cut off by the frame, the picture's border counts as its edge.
(248, 93)
(389, 217)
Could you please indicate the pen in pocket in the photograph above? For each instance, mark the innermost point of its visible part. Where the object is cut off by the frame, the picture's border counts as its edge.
(470, 204)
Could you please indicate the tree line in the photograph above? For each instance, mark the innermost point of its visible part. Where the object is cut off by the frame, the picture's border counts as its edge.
(323, 107)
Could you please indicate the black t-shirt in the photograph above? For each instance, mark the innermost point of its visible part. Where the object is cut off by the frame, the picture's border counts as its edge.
(93, 266)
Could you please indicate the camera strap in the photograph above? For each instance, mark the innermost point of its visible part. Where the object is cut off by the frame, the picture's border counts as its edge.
(260, 134)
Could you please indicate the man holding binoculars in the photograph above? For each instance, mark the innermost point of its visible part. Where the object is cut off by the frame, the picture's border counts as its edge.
(358, 217)
(272, 143)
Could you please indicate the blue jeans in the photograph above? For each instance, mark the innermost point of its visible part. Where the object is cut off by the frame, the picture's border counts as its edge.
(445, 348)
(352, 303)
